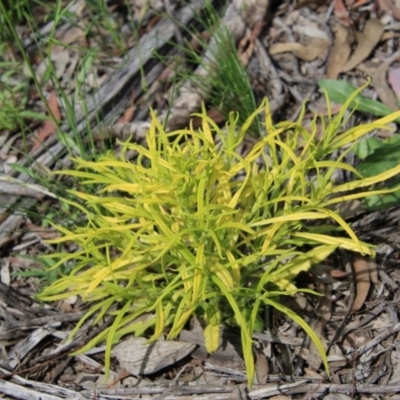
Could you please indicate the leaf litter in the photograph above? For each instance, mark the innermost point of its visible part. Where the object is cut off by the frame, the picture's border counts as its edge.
(357, 317)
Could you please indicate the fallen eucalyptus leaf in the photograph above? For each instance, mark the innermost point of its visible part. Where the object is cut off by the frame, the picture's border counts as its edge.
(139, 357)
(367, 42)
(394, 80)
(309, 52)
(363, 282)
(340, 51)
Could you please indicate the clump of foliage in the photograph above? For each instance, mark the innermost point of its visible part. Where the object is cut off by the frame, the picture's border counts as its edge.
(13, 92)
(226, 81)
(223, 80)
(376, 155)
(191, 227)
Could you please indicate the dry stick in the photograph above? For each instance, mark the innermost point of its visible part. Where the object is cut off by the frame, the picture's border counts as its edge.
(14, 187)
(79, 341)
(178, 33)
(14, 299)
(265, 391)
(270, 337)
(21, 388)
(47, 359)
(311, 393)
(164, 390)
(38, 366)
(60, 368)
(324, 388)
(17, 329)
(376, 340)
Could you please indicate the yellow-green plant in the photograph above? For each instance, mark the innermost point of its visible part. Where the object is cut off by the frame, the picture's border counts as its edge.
(191, 227)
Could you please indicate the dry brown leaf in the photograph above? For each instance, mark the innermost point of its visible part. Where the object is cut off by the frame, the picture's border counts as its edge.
(341, 12)
(338, 274)
(64, 60)
(75, 35)
(53, 105)
(388, 6)
(394, 80)
(322, 110)
(196, 41)
(310, 373)
(340, 52)
(254, 11)
(359, 3)
(379, 80)
(381, 85)
(246, 48)
(68, 305)
(308, 30)
(314, 359)
(48, 127)
(213, 113)
(309, 52)
(126, 116)
(363, 282)
(168, 71)
(261, 366)
(247, 44)
(367, 42)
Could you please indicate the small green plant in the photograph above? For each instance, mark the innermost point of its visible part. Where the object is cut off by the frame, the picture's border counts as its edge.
(376, 155)
(15, 101)
(41, 271)
(15, 10)
(225, 83)
(191, 227)
(13, 93)
(340, 91)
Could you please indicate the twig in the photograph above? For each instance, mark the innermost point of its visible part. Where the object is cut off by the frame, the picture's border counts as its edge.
(38, 366)
(19, 188)
(376, 340)
(324, 388)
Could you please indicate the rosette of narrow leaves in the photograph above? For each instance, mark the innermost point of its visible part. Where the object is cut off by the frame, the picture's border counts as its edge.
(192, 227)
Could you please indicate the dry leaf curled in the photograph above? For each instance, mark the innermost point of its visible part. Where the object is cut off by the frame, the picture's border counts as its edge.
(309, 52)
(367, 42)
(363, 282)
(340, 51)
